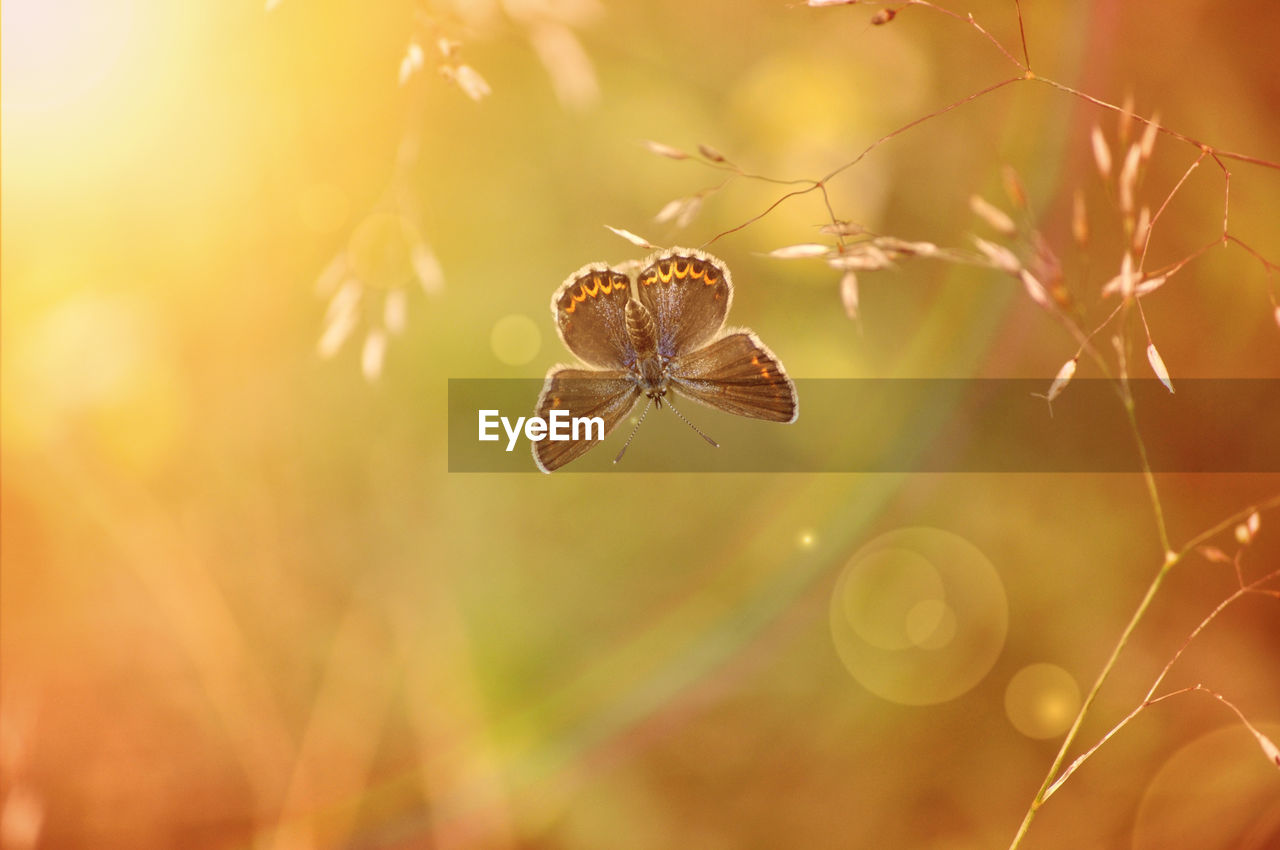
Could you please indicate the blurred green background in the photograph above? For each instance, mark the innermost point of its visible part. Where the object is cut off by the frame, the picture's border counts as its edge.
(245, 605)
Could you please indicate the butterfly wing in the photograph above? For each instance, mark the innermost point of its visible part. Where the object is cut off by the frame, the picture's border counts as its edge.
(739, 374)
(608, 394)
(689, 293)
(589, 310)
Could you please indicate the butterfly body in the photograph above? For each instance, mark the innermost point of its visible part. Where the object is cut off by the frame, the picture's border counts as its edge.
(649, 367)
(666, 335)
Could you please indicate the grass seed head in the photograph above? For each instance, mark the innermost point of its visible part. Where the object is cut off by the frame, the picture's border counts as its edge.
(1035, 289)
(1128, 183)
(997, 218)
(1124, 121)
(1079, 218)
(1101, 152)
(665, 150)
(1013, 187)
(631, 237)
(1148, 142)
(999, 256)
(395, 309)
(373, 354)
(801, 251)
(711, 153)
(1060, 381)
(849, 293)
(1157, 366)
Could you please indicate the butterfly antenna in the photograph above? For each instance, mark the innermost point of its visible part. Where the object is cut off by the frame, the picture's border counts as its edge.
(633, 431)
(691, 425)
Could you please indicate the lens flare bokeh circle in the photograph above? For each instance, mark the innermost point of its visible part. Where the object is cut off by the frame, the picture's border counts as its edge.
(1041, 700)
(1218, 792)
(918, 616)
(515, 339)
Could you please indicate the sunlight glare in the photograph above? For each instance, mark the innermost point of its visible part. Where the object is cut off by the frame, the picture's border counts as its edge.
(57, 51)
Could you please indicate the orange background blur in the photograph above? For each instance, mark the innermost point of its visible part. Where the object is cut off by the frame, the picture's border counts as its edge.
(245, 605)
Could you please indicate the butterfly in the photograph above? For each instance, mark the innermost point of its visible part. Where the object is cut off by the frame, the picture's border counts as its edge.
(666, 335)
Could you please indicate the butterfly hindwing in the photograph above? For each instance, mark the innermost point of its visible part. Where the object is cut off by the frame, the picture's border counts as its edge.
(737, 373)
(585, 393)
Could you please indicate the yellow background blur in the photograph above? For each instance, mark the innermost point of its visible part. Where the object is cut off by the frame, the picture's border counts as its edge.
(244, 604)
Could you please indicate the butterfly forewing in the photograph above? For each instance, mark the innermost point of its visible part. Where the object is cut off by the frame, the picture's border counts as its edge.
(608, 394)
(737, 374)
(688, 293)
(589, 310)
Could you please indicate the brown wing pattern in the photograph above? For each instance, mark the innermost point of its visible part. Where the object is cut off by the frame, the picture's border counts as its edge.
(738, 374)
(583, 393)
(689, 293)
(589, 310)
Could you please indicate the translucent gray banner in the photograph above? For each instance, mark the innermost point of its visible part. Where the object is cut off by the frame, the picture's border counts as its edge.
(854, 425)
